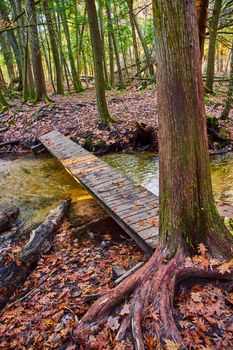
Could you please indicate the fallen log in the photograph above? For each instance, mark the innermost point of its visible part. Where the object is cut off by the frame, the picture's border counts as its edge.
(9, 143)
(8, 236)
(13, 273)
(7, 216)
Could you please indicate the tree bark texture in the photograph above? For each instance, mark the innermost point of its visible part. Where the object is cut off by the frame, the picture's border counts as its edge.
(202, 12)
(98, 63)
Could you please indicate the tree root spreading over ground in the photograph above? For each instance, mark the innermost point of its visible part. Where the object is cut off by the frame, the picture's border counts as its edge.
(46, 310)
(152, 287)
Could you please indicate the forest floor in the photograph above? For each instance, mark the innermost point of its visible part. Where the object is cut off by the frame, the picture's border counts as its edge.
(76, 116)
(44, 312)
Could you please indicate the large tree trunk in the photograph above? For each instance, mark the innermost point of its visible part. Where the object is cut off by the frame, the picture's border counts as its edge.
(188, 214)
(202, 12)
(186, 201)
(98, 63)
(212, 45)
(35, 52)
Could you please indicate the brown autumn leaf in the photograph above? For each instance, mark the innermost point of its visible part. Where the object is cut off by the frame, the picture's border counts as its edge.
(196, 296)
(125, 310)
(224, 268)
(171, 345)
(48, 321)
(150, 342)
(202, 249)
(201, 324)
(16, 249)
(113, 323)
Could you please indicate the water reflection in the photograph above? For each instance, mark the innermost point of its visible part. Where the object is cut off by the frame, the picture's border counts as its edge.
(143, 168)
(36, 184)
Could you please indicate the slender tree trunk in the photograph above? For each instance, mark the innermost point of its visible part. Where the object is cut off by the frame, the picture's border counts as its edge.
(75, 76)
(101, 26)
(28, 82)
(12, 39)
(3, 102)
(202, 12)
(2, 81)
(135, 46)
(119, 70)
(145, 48)
(35, 51)
(111, 57)
(212, 45)
(79, 37)
(228, 103)
(54, 48)
(98, 63)
(28, 92)
(85, 67)
(8, 57)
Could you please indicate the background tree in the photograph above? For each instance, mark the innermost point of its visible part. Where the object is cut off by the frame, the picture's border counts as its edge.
(228, 104)
(202, 14)
(12, 39)
(97, 49)
(126, 31)
(212, 45)
(54, 48)
(38, 71)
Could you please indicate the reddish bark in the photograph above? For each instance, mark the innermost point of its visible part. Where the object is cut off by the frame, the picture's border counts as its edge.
(202, 12)
(188, 215)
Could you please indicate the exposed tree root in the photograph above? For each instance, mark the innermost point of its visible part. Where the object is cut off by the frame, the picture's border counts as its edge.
(151, 290)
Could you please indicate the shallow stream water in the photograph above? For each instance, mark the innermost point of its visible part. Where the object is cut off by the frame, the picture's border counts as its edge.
(35, 184)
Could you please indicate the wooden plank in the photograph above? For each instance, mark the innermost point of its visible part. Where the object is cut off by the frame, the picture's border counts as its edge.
(146, 202)
(133, 207)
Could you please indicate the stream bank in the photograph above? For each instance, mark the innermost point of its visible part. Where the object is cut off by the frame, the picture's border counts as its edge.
(43, 312)
(76, 116)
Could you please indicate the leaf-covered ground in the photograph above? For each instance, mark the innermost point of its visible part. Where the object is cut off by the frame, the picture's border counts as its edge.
(43, 313)
(76, 116)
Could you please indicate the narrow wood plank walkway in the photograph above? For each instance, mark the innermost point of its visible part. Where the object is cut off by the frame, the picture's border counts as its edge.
(133, 207)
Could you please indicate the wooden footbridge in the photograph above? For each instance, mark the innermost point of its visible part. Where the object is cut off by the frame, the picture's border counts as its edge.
(133, 207)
